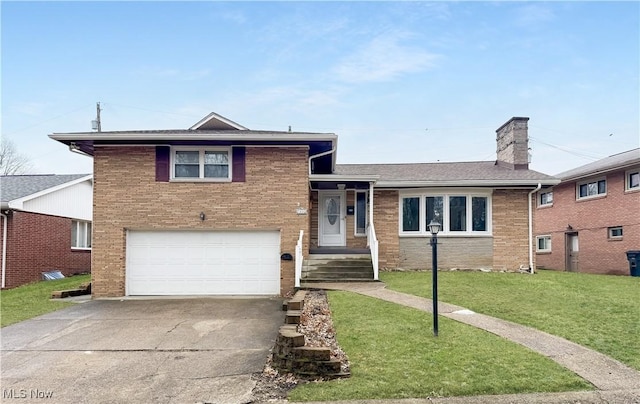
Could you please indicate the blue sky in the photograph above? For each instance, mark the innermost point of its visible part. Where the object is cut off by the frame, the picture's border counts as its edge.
(396, 81)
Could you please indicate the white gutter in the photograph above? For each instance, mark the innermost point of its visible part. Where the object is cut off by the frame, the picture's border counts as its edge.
(495, 183)
(5, 224)
(531, 268)
(333, 150)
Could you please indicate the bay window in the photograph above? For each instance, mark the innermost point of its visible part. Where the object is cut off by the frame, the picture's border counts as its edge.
(460, 214)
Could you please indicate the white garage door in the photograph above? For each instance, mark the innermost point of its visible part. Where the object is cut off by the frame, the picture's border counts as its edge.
(203, 263)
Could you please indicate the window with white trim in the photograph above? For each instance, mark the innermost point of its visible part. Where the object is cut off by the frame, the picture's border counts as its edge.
(543, 243)
(591, 189)
(546, 198)
(459, 214)
(212, 164)
(615, 233)
(361, 213)
(80, 234)
(632, 180)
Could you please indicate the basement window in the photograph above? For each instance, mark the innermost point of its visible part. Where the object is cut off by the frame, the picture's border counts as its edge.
(543, 244)
(80, 235)
(615, 233)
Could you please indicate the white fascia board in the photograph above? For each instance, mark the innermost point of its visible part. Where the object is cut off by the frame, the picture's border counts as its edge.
(220, 118)
(598, 173)
(169, 136)
(464, 183)
(18, 203)
(344, 178)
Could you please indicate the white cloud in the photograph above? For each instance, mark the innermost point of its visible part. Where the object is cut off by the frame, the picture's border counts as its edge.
(383, 59)
(533, 15)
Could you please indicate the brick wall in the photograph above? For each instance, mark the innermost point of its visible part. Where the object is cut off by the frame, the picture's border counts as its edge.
(39, 243)
(453, 252)
(126, 196)
(385, 218)
(510, 229)
(591, 219)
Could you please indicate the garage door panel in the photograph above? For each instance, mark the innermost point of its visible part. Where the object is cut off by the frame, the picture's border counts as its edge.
(203, 263)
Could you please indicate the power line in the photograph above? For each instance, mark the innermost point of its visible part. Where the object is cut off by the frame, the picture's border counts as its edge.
(46, 120)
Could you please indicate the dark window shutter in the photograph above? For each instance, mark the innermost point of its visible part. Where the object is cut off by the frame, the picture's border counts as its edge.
(162, 163)
(238, 159)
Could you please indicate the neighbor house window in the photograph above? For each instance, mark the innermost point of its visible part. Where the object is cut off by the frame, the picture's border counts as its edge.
(543, 243)
(210, 164)
(546, 198)
(615, 232)
(361, 213)
(591, 189)
(632, 180)
(458, 214)
(80, 234)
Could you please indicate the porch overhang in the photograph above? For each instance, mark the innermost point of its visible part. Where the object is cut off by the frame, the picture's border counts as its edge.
(333, 181)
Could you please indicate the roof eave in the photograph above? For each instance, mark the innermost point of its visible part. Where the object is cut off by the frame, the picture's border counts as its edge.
(466, 183)
(596, 173)
(343, 177)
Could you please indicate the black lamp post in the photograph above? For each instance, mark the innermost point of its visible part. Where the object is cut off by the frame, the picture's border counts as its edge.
(434, 228)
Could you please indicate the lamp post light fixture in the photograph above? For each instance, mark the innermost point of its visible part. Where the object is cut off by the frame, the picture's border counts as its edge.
(434, 228)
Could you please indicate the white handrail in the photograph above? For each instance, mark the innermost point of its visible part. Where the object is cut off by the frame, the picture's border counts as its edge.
(298, 261)
(372, 240)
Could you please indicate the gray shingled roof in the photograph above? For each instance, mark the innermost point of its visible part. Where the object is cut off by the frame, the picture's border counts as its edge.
(614, 162)
(480, 171)
(18, 186)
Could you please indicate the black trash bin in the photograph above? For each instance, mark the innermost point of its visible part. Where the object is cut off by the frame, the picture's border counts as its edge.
(634, 262)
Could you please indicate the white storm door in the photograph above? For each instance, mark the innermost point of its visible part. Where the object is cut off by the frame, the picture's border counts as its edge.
(332, 219)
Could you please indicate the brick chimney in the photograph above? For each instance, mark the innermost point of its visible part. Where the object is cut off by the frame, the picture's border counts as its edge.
(512, 142)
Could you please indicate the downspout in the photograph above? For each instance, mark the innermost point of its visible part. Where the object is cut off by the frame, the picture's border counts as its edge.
(5, 224)
(531, 268)
(320, 155)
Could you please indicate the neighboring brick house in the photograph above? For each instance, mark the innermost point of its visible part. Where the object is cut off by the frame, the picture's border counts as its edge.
(588, 221)
(221, 209)
(46, 226)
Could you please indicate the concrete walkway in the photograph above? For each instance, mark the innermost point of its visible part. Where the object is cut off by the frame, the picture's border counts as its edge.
(605, 373)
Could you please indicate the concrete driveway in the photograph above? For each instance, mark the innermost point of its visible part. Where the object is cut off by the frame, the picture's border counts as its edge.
(140, 351)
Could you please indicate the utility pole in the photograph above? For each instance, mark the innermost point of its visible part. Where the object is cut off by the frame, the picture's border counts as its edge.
(96, 124)
(98, 117)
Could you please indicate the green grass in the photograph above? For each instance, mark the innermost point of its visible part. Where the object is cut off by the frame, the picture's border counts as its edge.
(393, 354)
(32, 300)
(598, 311)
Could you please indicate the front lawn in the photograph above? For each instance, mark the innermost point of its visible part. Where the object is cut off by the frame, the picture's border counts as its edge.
(598, 311)
(32, 300)
(394, 354)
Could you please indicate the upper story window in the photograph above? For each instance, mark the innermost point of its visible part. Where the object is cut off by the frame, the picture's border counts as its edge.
(80, 234)
(546, 198)
(460, 214)
(632, 180)
(592, 188)
(212, 164)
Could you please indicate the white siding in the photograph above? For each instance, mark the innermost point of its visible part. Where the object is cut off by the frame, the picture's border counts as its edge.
(75, 201)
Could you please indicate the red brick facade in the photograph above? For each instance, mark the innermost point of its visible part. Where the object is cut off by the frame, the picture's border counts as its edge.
(39, 243)
(590, 219)
(127, 196)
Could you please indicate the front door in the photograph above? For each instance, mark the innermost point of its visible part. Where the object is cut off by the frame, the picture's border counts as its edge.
(573, 249)
(332, 219)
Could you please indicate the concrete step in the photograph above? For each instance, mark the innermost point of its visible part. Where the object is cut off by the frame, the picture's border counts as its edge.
(338, 275)
(338, 256)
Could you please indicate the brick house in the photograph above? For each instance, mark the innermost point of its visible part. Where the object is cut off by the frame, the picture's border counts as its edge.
(588, 221)
(221, 209)
(46, 226)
